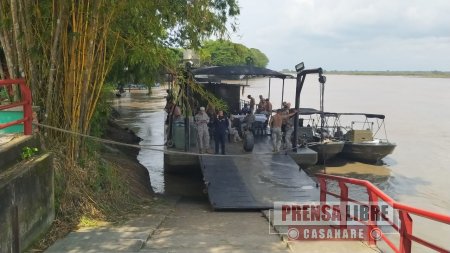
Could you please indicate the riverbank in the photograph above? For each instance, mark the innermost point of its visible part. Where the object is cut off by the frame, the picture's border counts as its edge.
(118, 189)
(131, 171)
(424, 74)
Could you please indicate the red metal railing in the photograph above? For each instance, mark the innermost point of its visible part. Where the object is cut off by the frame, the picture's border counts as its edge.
(25, 102)
(375, 194)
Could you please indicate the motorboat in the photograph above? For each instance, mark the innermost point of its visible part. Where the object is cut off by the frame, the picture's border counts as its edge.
(366, 139)
(316, 139)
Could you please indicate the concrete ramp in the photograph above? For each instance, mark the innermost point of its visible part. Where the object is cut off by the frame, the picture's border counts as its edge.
(255, 182)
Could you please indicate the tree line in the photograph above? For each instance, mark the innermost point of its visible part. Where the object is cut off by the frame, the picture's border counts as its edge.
(67, 50)
(225, 53)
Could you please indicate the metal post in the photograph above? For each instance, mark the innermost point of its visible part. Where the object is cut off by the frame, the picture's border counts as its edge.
(323, 193)
(187, 127)
(27, 108)
(269, 89)
(322, 118)
(373, 201)
(343, 204)
(187, 137)
(300, 80)
(282, 94)
(405, 231)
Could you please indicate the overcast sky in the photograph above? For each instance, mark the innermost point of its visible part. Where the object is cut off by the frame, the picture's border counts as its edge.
(348, 34)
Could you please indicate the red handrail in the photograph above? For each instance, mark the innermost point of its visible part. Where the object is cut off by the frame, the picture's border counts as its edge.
(405, 230)
(25, 102)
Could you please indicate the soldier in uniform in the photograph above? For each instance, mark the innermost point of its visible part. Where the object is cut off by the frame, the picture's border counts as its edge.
(202, 120)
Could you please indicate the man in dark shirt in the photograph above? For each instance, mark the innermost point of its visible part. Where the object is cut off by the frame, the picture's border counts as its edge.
(245, 110)
(220, 127)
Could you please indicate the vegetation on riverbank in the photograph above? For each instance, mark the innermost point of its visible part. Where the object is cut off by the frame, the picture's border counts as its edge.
(429, 74)
(68, 51)
(104, 185)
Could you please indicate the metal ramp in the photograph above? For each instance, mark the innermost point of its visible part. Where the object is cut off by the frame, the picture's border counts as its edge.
(255, 181)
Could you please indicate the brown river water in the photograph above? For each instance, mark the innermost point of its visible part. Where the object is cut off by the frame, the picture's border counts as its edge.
(417, 119)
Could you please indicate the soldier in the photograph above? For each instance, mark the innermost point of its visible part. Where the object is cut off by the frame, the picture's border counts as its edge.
(220, 127)
(202, 120)
(252, 103)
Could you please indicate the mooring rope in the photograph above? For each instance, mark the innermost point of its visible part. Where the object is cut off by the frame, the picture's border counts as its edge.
(152, 147)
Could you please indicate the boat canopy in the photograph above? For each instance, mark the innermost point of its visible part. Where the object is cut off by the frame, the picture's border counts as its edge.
(368, 115)
(238, 70)
(308, 111)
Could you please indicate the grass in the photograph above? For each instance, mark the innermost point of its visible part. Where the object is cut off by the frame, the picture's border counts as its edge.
(89, 194)
(86, 221)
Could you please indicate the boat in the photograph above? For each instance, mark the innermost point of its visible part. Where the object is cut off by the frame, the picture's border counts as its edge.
(326, 149)
(180, 140)
(317, 138)
(365, 138)
(316, 134)
(368, 151)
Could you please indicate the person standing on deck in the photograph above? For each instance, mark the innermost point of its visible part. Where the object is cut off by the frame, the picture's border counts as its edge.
(202, 120)
(289, 131)
(173, 112)
(245, 110)
(268, 108)
(247, 123)
(285, 111)
(220, 127)
(232, 130)
(252, 103)
(275, 122)
(261, 104)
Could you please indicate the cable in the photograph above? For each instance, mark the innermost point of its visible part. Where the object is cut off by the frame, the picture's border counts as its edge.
(149, 147)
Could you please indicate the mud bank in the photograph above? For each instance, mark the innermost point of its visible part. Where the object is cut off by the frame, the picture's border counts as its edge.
(125, 158)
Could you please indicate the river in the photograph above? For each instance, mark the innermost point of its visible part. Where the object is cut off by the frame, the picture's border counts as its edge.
(417, 119)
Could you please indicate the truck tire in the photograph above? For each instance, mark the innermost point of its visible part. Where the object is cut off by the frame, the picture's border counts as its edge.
(249, 141)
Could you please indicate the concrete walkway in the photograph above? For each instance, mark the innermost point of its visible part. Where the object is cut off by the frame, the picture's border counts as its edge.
(193, 227)
(130, 236)
(189, 225)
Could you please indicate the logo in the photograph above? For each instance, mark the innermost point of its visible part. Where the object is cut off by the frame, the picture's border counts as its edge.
(306, 233)
(333, 220)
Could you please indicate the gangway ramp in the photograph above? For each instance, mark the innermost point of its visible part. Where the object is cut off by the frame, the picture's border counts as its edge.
(254, 182)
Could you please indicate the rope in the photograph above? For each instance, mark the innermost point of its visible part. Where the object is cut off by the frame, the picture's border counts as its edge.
(151, 147)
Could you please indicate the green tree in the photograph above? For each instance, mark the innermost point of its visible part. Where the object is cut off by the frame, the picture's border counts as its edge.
(67, 49)
(225, 53)
(260, 59)
(151, 34)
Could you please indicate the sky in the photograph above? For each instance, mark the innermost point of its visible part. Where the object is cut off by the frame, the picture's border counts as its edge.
(375, 35)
